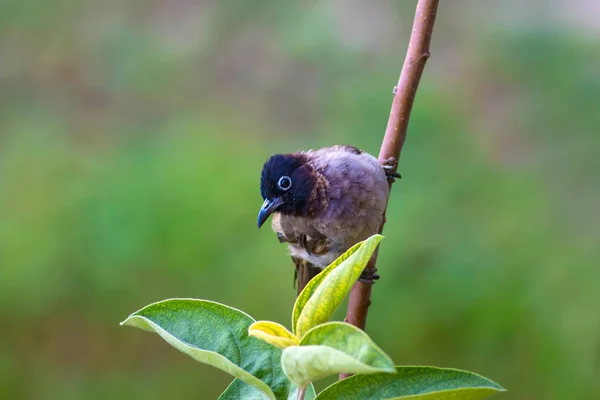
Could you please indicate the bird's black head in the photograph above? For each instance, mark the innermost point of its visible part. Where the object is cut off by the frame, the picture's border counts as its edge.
(290, 185)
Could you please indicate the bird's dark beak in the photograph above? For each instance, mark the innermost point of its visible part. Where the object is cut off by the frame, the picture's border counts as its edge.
(268, 208)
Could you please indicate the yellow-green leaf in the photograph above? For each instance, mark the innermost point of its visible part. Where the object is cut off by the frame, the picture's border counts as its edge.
(325, 292)
(314, 283)
(305, 364)
(273, 333)
(350, 340)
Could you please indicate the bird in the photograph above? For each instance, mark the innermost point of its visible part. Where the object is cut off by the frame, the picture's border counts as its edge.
(324, 201)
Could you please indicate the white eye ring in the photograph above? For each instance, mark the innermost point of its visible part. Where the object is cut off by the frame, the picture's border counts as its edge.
(284, 183)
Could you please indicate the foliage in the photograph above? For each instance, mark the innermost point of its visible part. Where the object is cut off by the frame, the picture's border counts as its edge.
(269, 361)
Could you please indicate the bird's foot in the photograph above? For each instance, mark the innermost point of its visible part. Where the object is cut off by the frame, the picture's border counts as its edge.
(369, 276)
(389, 167)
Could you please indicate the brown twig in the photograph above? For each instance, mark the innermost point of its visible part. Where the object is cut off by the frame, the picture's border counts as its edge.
(395, 134)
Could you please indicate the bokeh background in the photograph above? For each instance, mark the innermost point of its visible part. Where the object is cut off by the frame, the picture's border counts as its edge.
(132, 135)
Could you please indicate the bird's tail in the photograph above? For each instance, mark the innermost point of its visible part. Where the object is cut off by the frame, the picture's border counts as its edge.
(305, 271)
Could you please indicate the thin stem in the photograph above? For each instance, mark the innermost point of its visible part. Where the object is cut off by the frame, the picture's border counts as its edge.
(301, 393)
(395, 135)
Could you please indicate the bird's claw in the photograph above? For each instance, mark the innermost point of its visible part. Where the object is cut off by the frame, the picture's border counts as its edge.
(369, 276)
(390, 174)
(389, 167)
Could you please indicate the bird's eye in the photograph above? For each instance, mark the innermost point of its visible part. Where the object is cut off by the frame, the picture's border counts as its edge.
(284, 183)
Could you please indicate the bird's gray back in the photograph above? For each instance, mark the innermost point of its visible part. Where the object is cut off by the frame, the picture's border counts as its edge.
(357, 193)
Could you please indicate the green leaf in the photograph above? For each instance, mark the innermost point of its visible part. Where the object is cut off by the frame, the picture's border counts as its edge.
(413, 383)
(351, 341)
(305, 364)
(238, 389)
(273, 333)
(314, 283)
(215, 334)
(326, 291)
(333, 348)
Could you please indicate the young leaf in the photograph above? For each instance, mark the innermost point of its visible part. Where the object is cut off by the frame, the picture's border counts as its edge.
(314, 283)
(215, 334)
(333, 348)
(414, 383)
(352, 341)
(305, 364)
(325, 292)
(238, 389)
(273, 333)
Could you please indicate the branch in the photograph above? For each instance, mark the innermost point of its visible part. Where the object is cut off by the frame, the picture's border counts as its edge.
(395, 134)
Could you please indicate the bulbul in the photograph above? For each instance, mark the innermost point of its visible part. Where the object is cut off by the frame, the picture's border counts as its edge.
(323, 201)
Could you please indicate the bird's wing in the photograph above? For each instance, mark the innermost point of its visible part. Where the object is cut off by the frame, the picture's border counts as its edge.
(357, 193)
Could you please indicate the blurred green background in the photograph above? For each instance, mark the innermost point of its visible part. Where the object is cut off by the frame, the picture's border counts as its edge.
(132, 135)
